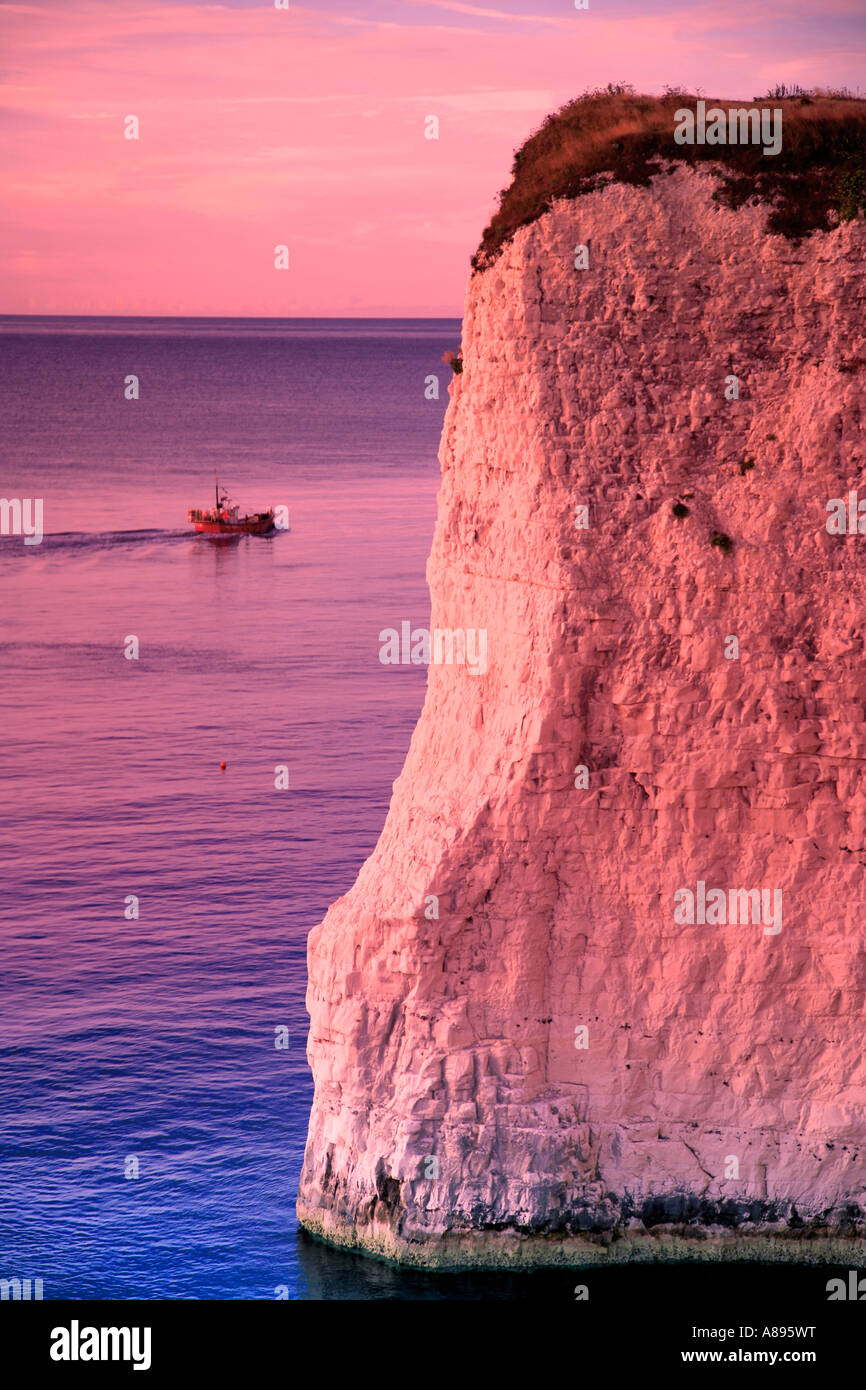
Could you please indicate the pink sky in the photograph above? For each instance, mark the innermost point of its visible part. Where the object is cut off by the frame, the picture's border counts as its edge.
(261, 126)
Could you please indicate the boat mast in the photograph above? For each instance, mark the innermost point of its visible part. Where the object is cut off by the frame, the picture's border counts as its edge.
(217, 490)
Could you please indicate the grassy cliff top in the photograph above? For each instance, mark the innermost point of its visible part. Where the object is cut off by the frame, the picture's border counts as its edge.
(818, 177)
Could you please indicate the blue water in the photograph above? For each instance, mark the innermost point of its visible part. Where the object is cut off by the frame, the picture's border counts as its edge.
(150, 1042)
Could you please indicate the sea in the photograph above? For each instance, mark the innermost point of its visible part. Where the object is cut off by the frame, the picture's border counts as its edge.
(154, 1087)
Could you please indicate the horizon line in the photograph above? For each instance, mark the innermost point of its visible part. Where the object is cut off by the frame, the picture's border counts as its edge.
(245, 318)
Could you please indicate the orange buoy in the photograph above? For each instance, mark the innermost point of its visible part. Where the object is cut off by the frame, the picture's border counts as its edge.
(223, 766)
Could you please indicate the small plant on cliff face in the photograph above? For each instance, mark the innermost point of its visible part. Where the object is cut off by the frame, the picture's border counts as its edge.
(679, 510)
(745, 465)
(723, 542)
(454, 361)
(851, 189)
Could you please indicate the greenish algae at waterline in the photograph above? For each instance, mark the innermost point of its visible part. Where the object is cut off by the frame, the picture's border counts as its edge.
(512, 1250)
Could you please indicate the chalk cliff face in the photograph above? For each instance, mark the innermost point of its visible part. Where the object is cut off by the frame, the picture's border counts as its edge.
(561, 1066)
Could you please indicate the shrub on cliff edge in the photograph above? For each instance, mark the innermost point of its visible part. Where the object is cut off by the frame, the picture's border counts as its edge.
(813, 181)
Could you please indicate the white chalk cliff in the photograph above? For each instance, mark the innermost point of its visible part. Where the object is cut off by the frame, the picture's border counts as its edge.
(715, 1101)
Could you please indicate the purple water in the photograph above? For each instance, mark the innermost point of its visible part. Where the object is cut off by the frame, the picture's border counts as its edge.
(154, 1039)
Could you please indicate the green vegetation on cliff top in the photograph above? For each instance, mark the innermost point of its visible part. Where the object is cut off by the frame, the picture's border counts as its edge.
(817, 178)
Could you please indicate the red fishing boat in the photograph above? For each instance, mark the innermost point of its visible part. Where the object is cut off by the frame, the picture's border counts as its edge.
(224, 519)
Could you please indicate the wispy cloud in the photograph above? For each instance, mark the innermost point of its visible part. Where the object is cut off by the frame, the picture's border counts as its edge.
(480, 12)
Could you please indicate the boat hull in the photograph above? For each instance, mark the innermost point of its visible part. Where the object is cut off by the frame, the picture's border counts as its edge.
(246, 526)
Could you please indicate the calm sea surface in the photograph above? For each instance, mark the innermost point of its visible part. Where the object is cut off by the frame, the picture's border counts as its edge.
(152, 1041)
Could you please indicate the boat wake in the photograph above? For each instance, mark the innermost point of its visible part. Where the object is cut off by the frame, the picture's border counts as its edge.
(84, 541)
